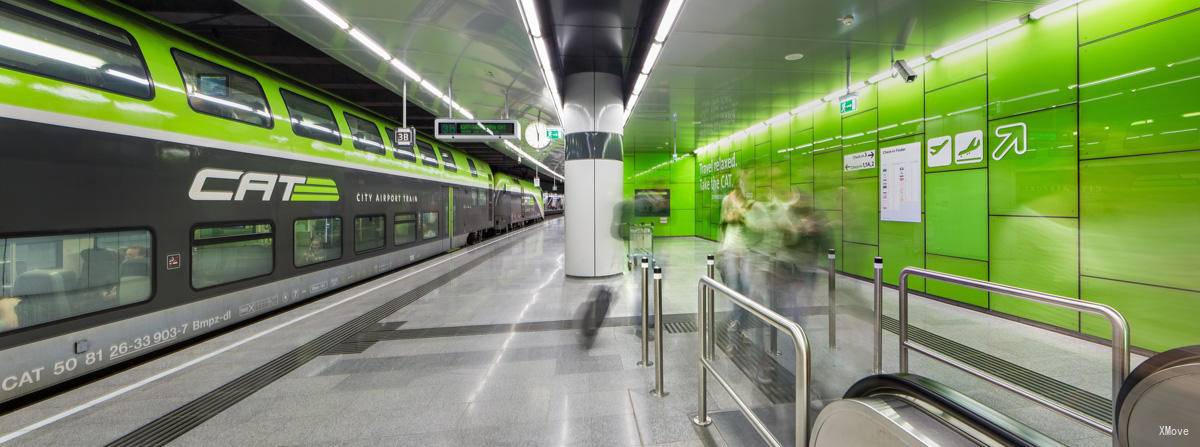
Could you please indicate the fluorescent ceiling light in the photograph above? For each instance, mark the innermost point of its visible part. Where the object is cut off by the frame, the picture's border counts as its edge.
(833, 96)
(431, 89)
(806, 107)
(408, 71)
(366, 41)
(779, 119)
(26, 44)
(859, 86)
(651, 57)
(639, 84)
(758, 127)
(880, 77)
(668, 19)
(918, 62)
(980, 37)
(532, 21)
(1052, 8)
(632, 101)
(329, 15)
(543, 52)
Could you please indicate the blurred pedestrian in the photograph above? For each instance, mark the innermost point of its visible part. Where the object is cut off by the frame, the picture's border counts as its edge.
(733, 256)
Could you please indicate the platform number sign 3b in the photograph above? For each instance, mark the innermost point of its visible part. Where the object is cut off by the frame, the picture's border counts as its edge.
(404, 137)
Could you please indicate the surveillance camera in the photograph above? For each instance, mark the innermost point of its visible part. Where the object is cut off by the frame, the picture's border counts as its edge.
(905, 72)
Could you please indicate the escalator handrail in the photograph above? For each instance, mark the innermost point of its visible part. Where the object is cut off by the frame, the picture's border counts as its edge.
(930, 391)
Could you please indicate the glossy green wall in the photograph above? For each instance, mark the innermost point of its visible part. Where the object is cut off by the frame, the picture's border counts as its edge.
(1089, 183)
(656, 170)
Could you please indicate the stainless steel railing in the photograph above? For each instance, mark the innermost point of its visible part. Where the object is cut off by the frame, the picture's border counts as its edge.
(705, 317)
(1120, 338)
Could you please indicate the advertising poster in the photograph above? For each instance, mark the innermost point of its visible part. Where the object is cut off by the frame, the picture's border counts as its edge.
(900, 183)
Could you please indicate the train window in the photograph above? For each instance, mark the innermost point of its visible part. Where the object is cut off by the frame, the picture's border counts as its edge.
(428, 158)
(368, 233)
(429, 225)
(365, 135)
(51, 41)
(219, 91)
(225, 253)
(311, 119)
(49, 278)
(402, 153)
(316, 240)
(448, 160)
(405, 228)
(471, 166)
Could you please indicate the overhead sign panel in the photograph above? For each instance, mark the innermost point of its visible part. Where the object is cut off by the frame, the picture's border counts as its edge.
(476, 130)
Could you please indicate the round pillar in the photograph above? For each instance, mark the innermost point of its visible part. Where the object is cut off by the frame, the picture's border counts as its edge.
(593, 123)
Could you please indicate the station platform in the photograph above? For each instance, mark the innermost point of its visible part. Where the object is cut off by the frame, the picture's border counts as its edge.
(480, 347)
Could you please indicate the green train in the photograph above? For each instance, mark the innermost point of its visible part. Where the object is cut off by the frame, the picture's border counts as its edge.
(159, 187)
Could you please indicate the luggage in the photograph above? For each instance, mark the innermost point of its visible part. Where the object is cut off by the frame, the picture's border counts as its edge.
(592, 314)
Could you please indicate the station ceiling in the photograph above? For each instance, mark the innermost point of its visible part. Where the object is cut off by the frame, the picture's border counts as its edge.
(723, 67)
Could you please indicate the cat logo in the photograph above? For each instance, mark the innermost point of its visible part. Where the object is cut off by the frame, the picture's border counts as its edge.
(212, 184)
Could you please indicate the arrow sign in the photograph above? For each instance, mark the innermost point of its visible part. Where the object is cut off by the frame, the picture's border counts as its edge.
(1015, 139)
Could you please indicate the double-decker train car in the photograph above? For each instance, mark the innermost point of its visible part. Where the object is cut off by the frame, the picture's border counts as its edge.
(158, 187)
(517, 202)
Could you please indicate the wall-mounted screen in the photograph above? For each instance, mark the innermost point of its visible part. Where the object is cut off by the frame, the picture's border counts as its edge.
(652, 202)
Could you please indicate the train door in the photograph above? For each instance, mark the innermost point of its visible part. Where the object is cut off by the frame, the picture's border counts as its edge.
(450, 217)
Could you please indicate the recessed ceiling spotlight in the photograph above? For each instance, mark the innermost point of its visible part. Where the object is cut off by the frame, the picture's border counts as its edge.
(847, 19)
(794, 57)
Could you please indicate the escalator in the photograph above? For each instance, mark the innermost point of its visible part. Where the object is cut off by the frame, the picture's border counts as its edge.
(911, 410)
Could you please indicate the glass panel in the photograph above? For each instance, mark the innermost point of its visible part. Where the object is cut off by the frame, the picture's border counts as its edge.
(471, 166)
(49, 278)
(311, 119)
(59, 44)
(429, 225)
(448, 160)
(405, 228)
(317, 240)
(368, 233)
(400, 153)
(228, 253)
(365, 135)
(219, 91)
(428, 158)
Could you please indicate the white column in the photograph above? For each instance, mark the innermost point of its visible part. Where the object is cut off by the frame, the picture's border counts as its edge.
(593, 109)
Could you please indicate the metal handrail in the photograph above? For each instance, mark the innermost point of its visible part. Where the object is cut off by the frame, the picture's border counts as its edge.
(1120, 339)
(705, 317)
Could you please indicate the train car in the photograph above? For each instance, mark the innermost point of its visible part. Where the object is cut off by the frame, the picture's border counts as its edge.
(516, 202)
(161, 187)
(554, 203)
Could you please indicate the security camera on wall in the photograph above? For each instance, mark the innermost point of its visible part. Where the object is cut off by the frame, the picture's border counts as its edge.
(906, 72)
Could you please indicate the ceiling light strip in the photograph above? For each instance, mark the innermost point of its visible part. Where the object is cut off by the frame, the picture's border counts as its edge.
(378, 50)
(665, 23)
(891, 72)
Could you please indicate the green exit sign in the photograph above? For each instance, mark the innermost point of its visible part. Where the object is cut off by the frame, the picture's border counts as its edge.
(553, 134)
(848, 104)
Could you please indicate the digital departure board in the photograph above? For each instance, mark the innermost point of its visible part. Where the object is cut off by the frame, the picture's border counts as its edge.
(476, 130)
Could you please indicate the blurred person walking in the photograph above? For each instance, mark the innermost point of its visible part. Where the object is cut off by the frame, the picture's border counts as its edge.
(733, 256)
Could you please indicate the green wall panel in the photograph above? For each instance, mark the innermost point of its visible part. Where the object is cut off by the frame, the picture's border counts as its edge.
(827, 127)
(956, 211)
(965, 64)
(1102, 18)
(828, 180)
(859, 136)
(1046, 47)
(861, 212)
(1036, 253)
(958, 112)
(902, 244)
(859, 259)
(801, 165)
(1140, 91)
(834, 239)
(961, 267)
(1043, 181)
(1139, 219)
(902, 106)
(780, 178)
(1159, 318)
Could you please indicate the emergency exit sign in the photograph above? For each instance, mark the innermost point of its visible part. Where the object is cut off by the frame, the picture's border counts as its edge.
(848, 104)
(553, 133)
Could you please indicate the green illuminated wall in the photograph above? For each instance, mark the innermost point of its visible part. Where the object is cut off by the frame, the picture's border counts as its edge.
(656, 170)
(1103, 205)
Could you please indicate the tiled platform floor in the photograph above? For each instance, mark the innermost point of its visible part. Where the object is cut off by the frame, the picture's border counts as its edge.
(458, 367)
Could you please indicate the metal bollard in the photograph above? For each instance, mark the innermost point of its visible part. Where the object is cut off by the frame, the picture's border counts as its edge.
(659, 389)
(645, 312)
(878, 315)
(704, 314)
(832, 299)
(708, 304)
